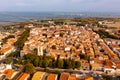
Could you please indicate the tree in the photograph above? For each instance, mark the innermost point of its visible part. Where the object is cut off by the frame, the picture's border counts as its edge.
(23, 37)
(45, 63)
(11, 54)
(4, 40)
(44, 34)
(19, 61)
(84, 56)
(107, 77)
(102, 50)
(30, 57)
(9, 60)
(80, 24)
(73, 64)
(77, 64)
(29, 68)
(53, 47)
(51, 64)
(67, 64)
(61, 34)
(105, 34)
(60, 63)
(36, 62)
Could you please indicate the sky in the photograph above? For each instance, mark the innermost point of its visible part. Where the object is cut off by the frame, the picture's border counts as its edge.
(61, 5)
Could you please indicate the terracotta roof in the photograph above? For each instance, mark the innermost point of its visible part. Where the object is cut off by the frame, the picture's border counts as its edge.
(11, 40)
(24, 76)
(88, 78)
(109, 63)
(72, 77)
(9, 73)
(115, 46)
(118, 66)
(64, 76)
(5, 50)
(107, 66)
(52, 77)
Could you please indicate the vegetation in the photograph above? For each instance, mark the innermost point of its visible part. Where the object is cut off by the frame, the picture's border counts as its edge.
(29, 68)
(53, 47)
(44, 35)
(4, 40)
(80, 24)
(47, 61)
(11, 54)
(107, 77)
(104, 34)
(84, 56)
(9, 60)
(60, 63)
(61, 34)
(22, 38)
(59, 21)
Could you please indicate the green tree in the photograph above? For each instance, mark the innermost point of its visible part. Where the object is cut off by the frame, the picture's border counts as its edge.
(29, 68)
(4, 40)
(36, 62)
(77, 64)
(44, 34)
(19, 61)
(30, 57)
(45, 63)
(60, 63)
(73, 64)
(105, 34)
(11, 54)
(84, 56)
(53, 47)
(67, 64)
(61, 34)
(22, 38)
(107, 77)
(9, 60)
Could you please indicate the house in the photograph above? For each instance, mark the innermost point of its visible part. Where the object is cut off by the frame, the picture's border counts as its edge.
(67, 49)
(52, 77)
(6, 50)
(10, 73)
(38, 76)
(2, 67)
(89, 78)
(84, 64)
(11, 41)
(24, 76)
(108, 69)
(64, 76)
(72, 77)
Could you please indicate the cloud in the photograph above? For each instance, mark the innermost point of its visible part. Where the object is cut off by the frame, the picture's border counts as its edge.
(60, 5)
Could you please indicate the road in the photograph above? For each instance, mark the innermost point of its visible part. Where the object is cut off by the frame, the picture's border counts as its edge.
(67, 70)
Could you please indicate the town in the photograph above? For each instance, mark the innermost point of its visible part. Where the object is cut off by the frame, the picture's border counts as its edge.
(59, 52)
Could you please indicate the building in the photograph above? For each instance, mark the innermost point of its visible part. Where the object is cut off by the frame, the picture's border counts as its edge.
(64, 76)
(89, 78)
(40, 51)
(38, 76)
(10, 73)
(52, 77)
(24, 76)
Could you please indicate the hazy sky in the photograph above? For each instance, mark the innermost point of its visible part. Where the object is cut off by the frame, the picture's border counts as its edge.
(61, 5)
